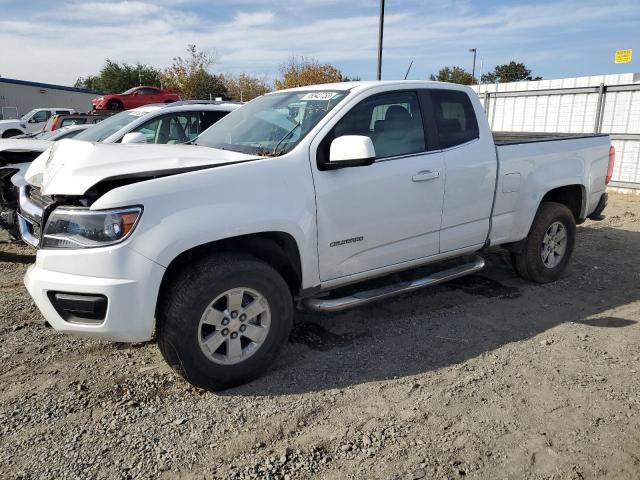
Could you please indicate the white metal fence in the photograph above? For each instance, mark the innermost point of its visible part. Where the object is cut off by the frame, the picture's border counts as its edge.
(606, 104)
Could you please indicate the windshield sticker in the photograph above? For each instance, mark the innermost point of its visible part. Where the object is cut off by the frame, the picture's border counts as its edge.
(319, 96)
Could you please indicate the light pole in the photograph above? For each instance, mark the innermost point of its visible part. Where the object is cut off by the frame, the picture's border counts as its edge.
(380, 31)
(473, 70)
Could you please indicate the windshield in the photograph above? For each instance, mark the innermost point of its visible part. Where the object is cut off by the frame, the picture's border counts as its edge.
(271, 125)
(131, 90)
(26, 116)
(109, 126)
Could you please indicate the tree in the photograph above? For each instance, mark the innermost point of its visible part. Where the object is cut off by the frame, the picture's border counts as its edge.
(244, 87)
(509, 72)
(299, 71)
(453, 75)
(190, 76)
(118, 77)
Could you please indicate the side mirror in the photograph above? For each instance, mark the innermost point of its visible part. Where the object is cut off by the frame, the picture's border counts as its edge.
(134, 137)
(32, 120)
(351, 151)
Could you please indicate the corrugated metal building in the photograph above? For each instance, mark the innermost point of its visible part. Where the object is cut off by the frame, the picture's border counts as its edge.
(18, 97)
(598, 104)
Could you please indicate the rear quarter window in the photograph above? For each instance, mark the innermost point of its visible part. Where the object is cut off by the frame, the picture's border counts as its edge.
(455, 118)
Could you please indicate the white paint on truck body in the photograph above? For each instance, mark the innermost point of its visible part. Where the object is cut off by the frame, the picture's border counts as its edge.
(348, 224)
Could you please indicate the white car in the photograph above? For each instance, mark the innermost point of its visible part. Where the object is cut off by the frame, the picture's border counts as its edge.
(32, 122)
(16, 154)
(288, 200)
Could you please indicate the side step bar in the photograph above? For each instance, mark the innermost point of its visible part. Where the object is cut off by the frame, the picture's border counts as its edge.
(368, 296)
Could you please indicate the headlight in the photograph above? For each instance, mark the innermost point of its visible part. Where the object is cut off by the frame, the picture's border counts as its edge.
(82, 228)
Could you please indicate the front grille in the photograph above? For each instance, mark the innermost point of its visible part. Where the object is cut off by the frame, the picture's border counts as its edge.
(30, 216)
(35, 195)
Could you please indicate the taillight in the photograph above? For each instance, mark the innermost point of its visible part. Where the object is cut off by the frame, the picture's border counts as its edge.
(612, 161)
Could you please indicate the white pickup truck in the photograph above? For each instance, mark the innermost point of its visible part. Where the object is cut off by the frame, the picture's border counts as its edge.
(31, 122)
(302, 196)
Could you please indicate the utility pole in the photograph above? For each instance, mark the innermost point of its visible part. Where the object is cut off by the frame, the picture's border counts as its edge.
(139, 77)
(380, 32)
(473, 70)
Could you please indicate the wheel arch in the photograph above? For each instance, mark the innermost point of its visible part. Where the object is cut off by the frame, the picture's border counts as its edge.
(278, 249)
(13, 131)
(572, 196)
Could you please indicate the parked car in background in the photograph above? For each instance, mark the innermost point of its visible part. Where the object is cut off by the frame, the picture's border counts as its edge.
(288, 201)
(65, 120)
(32, 122)
(159, 124)
(16, 154)
(134, 97)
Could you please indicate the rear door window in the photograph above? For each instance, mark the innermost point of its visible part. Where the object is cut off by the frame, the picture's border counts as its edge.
(455, 117)
(171, 128)
(211, 117)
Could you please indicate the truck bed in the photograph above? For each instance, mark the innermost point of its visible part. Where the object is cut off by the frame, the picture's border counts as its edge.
(509, 138)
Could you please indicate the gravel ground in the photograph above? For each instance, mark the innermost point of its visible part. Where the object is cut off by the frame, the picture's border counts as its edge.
(486, 377)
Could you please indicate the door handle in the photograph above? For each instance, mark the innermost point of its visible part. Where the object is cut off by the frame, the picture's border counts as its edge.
(425, 175)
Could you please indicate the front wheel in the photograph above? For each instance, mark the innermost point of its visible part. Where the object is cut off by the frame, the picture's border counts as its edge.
(12, 133)
(224, 320)
(549, 245)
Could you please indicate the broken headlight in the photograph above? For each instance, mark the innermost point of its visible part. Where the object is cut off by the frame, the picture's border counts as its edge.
(82, 228)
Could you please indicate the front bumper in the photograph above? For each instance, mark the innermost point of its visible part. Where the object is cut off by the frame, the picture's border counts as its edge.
(129, 281)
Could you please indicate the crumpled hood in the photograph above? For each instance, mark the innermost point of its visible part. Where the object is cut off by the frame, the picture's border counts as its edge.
(71, 167)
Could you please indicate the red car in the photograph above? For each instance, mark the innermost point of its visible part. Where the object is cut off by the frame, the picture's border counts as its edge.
(133, 98)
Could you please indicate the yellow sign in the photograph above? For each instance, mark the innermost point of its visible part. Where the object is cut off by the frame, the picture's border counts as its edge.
(622, 56)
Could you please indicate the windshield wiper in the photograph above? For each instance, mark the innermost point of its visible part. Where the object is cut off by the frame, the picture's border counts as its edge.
(285, 137)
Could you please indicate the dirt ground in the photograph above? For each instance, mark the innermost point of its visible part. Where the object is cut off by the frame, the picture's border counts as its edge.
(486, 377)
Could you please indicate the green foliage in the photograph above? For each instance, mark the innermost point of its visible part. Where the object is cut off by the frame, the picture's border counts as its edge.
(244, 87)
(117, 77)
(299, 71)
(453, 75)
(190, 76)
(509, 72)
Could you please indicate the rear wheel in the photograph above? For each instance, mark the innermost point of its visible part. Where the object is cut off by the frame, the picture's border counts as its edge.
(114, 105)
(224, 320)
(549, 245)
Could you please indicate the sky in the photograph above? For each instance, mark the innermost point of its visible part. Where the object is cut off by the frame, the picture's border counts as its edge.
(59, 41)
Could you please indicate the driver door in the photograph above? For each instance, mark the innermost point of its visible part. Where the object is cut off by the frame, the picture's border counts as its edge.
(38, 121)
(386, 213)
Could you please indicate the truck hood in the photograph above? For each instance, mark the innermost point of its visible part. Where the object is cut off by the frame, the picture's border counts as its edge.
(71, 167)
(24, 145)
(17, 150)
(9, 123)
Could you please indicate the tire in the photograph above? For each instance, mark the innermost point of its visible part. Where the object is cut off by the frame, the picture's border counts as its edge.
(114, 105)
(191, 293)
(530, 263)
(11, 133)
